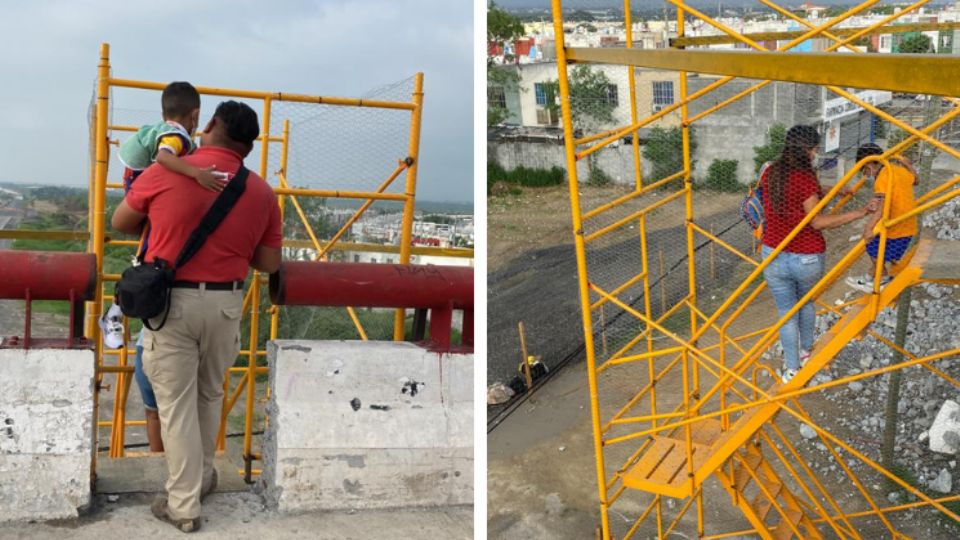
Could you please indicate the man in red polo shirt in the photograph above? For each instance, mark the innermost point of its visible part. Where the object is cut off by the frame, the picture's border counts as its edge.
(187, 358)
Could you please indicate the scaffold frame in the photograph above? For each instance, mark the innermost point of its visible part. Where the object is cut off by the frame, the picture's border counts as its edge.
(701, 438)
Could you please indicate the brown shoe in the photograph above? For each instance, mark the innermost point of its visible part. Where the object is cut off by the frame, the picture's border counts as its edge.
(160, 511)
(209, 488)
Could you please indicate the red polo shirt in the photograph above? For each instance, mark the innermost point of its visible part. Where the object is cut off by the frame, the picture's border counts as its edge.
(174, 204)
(801, 185)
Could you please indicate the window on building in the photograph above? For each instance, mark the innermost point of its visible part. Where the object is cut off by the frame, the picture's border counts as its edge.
(610, 96)
(389, 260)
(662, 94)
(885, 42)
(356, 258)
(540, 91)
(496, 97)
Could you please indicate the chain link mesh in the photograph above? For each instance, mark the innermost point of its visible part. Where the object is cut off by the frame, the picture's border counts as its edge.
(331, 147)
(727, 149)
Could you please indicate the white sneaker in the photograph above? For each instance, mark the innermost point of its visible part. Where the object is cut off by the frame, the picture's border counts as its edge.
(804, 357)
(864, 283)
(111, 324)
(788, 375)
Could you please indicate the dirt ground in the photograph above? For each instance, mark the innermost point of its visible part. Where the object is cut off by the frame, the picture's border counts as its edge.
(532, 275)
(540, 217)
(541, 465)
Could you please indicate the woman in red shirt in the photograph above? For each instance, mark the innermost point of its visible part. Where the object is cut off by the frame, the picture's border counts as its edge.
(790, 192)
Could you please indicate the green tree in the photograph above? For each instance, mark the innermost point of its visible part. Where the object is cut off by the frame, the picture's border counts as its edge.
(592, 101)
(581, 16)
(722, 175)
(916, 43)
(499, 79)
(776, 136)
(592, 97)
(664, 150)
(502, 28)
(834, 11)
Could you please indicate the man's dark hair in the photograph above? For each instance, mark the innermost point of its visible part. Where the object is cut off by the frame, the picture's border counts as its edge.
(868, 150)
(179, 99)
(239, 121)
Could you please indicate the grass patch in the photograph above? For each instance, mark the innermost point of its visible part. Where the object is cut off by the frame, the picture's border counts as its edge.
(523, 176)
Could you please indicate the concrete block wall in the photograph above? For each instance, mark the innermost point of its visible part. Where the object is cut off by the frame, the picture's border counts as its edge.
(46, 433)
(358, 425)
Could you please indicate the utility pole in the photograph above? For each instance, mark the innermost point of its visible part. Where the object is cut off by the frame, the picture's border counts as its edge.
(893, 385)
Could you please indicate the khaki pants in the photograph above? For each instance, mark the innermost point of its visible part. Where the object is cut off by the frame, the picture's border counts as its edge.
(186, 361)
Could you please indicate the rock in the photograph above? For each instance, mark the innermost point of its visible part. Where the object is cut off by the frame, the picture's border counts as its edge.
(807, 432)
(923, 436)
(856, 386)
(554, 505)
(498, 393)
(866, 361)
(562, 449)
(943, 482)
(947, 421)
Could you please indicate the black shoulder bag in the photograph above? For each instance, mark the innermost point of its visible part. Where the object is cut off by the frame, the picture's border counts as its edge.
(144, 291)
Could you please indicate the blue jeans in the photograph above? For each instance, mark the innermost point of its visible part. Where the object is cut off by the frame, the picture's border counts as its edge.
(146, 390)
(790, 276)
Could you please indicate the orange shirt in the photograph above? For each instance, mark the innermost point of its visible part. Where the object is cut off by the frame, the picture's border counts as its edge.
(896, 182)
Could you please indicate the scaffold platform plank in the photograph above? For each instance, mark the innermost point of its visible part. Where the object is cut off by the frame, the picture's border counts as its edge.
(941, 262)
(663, 468)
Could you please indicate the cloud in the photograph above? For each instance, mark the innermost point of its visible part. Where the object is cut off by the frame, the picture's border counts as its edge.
(328, 47)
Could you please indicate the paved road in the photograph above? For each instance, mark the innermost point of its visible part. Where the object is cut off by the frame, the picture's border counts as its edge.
(7, 221)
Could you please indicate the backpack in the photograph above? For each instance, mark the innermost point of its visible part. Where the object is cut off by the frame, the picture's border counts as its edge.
(751, 208)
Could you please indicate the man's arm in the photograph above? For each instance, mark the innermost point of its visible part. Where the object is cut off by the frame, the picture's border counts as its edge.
(126, 219)
(266, 259)
(208, 177)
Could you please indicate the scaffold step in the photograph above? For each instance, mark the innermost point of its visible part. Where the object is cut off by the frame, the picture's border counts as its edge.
(782, 530)
(761, 503)
(742, 476)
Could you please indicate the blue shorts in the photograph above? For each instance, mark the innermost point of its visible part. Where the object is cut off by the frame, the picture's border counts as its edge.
(146, 390)
(896, 248)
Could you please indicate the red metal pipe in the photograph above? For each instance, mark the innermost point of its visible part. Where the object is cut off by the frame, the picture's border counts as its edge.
(301, 283)
(48, 275)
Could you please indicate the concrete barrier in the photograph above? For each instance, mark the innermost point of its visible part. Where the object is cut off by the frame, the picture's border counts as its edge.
(46, 432)
(357, 425)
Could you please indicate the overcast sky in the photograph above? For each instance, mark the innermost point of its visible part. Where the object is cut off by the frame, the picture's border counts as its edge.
(327, 47)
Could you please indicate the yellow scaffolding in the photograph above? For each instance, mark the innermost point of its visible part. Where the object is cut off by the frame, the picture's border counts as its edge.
(723, 426)
(99, 237)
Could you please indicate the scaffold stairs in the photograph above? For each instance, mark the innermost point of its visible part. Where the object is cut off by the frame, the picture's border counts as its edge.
(664, 467)
(774, 511)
